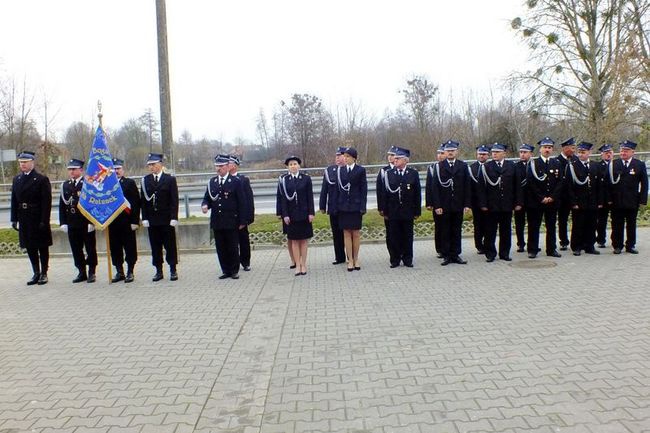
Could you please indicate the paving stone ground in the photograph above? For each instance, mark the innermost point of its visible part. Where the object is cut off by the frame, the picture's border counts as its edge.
(544, 345)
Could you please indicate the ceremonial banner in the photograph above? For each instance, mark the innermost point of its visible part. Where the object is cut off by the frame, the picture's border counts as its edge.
(101, 199)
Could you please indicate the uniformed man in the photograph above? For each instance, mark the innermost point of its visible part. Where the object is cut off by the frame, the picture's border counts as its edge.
(327, 204)
(249, 214)
(225, 196)
(81, 233)
(402, 204)
(566, 156)
(381, 196)
(499, 196)
(544, 184)
(525, 153)
(606, 155)
(586, 192)
(431, 170)
(627, 190)
(121, 231)
(31, 204)
(449, 196)
(478, 216)
(159, 198)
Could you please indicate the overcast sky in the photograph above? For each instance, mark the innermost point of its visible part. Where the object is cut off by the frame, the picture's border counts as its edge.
(228, 59)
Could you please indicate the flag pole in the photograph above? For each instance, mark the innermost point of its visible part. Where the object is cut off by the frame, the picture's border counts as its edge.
(108, 242)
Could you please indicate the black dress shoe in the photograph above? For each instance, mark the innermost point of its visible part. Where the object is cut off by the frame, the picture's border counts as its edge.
(34, 279)
(480, 252)
(521, 249)
(292, 266)
(247, 268)
(617, 251)
(80, 277)
(235, 276)
(118, 277)
(594, 252)
(563, 247)
(173, 276)
(632, 250)
(357, 268)
(408, 264)
(157, 277)
(42, 279)
(445, 261)
(554, 254)
(91, 278)
(576, 253)
(602, 246)
(224, 276)
(303, 273)
(129, 277)
(338, 262)
(440, 256)
(394, 265)
(532, 255)
(489, 259)
(506, 258)
(458, 260)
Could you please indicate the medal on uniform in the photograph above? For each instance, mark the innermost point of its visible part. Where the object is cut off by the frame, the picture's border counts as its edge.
(632, 171)
(408, 186)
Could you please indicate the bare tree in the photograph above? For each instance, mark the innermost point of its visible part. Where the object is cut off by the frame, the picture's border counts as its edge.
(589, 63)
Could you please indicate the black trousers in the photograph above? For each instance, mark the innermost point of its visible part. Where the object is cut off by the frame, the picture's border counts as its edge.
(401, 237)
(601, 225)
(624, 220)
(583, 229)
(501, 221)
(163, 237)
(451, 230)
(227, 244)
(337, 238)
(244, 242)
(520, 226)
(39, 257)
(535, 216)
(479, 218)
(79, 239)
(436, 232)
(392, 253)
(563, 224)
(123, 245)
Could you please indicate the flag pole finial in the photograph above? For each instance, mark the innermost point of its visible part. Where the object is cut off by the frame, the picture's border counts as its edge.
(99, 113)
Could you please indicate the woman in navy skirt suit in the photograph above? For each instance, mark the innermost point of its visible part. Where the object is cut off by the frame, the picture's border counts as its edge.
(351, 204)
(296, 199)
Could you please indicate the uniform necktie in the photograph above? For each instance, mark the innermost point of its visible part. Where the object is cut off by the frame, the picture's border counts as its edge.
(401, 172)
(349, 169)
(451, 164)
(155, 178)
(220, 181)
(626, 163)
(587, 166)
(500, 164)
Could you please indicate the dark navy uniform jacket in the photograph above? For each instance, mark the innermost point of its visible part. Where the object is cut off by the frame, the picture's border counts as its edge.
(327, 198)
(520, 169)
(228, 203)
(380, 188)
(457, 195)
(504, 196)
(132, 195)
(31, 204)
(564, 166)
(631, 191)
(355, 199)
(249, 213)
(550, 185)
(476, 177)
(590, 195)
(302, 204)
(69, 213)
(406, 202)
(163, 206)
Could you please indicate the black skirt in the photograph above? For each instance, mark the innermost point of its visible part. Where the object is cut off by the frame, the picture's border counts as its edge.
(299, 230)
(350, 220)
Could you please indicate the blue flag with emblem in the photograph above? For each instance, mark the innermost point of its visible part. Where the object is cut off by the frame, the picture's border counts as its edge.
(101, 199)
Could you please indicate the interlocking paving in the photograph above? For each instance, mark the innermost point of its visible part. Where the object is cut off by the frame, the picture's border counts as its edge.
(545, 345)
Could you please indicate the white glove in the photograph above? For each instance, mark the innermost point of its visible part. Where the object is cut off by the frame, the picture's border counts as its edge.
(145, 223)
(64, 228)
(134, 227)
(91, 228)
(173, 223)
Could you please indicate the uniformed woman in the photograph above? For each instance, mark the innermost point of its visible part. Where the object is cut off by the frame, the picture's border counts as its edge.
(296, 203)
(352, 195)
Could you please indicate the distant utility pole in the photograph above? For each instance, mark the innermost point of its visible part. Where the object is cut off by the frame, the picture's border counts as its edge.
(166, 136)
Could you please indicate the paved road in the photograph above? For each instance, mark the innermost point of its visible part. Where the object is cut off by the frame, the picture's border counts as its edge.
(545, 345)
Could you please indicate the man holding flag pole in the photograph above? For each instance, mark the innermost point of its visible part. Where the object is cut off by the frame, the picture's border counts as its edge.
(101, 199)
